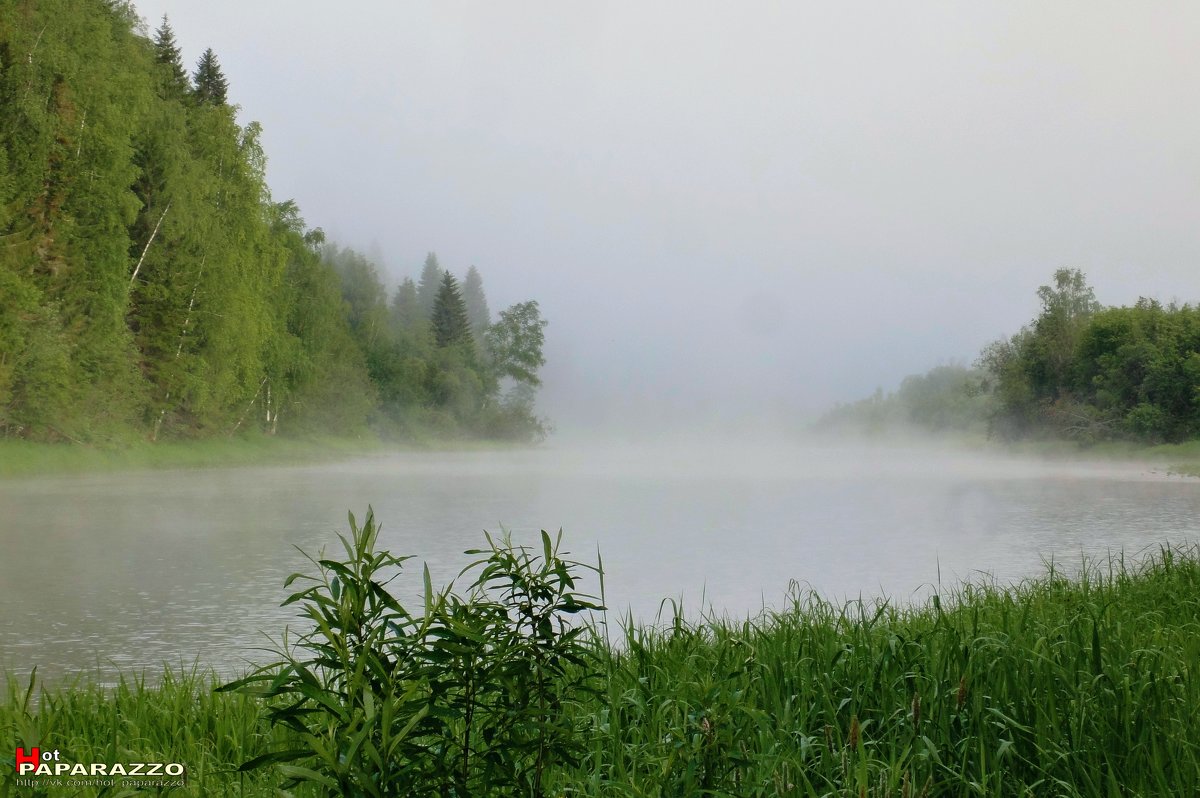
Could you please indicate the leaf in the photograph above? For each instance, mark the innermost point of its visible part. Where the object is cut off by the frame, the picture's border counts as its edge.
(273, 758)
(323, 697)
(428, 590)
(306, 774)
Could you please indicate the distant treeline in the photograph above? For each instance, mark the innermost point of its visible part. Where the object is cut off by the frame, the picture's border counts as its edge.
(1079, 371)
(949, 398)
(150, 286)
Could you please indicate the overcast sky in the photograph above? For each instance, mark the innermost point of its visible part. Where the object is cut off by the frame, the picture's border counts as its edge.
(734, 208)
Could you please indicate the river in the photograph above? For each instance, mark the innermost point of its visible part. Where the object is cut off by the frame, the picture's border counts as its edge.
(126, 571)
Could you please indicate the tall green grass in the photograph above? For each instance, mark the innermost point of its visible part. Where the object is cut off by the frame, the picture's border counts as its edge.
(176, 717)
(1080, 685)
(1054, 687)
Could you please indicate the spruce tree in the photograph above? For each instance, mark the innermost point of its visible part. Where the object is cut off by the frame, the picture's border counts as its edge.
(211, 86)
(406, 309)
(450, 323)
(166, 52)
(477, 307)
(430, 282)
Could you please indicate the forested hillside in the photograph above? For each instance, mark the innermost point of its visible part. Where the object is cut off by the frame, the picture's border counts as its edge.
(151, 287)
(1079, 371)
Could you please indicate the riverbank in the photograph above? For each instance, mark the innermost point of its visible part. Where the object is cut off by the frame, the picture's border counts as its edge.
(1175, 458)
(1081, 686)
(23, 458)
(20, 458)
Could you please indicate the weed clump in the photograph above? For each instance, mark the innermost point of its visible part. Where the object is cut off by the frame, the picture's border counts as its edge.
(465, 697)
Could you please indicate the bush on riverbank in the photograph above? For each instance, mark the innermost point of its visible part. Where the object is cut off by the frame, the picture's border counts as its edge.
(465, 697)
(1068, 686)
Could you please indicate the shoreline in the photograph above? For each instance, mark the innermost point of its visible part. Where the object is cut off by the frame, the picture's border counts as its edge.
(20, 458)
(1177, 459)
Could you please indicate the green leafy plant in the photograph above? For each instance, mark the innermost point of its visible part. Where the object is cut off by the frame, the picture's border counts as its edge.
(513, 660)
(466, 698)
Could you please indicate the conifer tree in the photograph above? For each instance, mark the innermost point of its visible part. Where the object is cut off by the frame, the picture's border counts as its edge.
(450, 323)
(176, 84)
(406, 309)
(477, 307)
(429, 285)
(211, 86)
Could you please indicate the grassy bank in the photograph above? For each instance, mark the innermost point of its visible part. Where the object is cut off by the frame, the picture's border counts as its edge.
(1178, 458)
(1175, 458)
(1056, 687)
(1181, 458)
(1084, 686)
(23, 458)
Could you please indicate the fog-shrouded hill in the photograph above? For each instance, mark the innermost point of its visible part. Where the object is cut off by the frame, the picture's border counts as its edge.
(151, 286)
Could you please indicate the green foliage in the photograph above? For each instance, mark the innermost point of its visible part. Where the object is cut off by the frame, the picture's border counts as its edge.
(985, 691)
(467, 697)
(515, 343)
(1079, 371)
(211, 87)
(176, 84)
(37, 392)
(432, 378)
(320, 371)
(1034, 370)
(450, 323)
(476, 302)
(406, 309)
(149, 285)
(175, 717)
(20, 457)
(946, 399)
(429, 284)
(1091, 374)
(364, 294)
(68, 108)
(513, 418)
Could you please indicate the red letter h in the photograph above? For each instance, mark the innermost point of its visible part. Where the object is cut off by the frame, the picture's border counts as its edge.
(32, 759)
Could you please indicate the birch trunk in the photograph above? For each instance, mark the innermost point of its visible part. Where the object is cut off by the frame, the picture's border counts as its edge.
(247, 410)
(146, 248)
(187, 319)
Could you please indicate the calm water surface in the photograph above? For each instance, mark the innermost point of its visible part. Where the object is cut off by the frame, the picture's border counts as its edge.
(133, 570)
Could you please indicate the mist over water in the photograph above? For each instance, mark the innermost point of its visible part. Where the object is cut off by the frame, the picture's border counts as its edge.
(132, 570)
(724, 209)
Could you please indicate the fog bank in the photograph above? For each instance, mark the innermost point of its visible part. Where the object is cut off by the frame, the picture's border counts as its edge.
(727, 208)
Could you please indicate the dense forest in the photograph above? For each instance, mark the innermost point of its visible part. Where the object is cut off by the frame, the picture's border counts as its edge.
(1079, 371)
(151, 287)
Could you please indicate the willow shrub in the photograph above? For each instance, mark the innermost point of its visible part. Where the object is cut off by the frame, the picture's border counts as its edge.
(465, 697)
